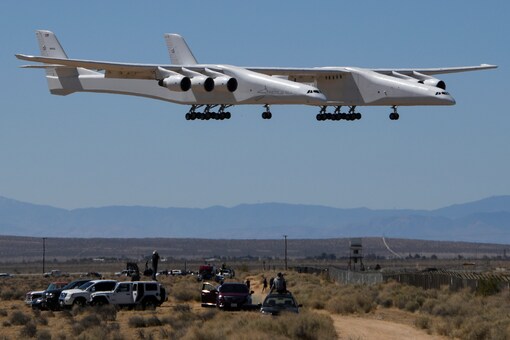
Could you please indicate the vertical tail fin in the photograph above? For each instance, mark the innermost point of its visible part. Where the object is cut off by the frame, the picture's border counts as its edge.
(62, 80)
(49, 45)
(180, 53)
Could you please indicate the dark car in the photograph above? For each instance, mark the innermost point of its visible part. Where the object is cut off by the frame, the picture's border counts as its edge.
(275, 304)
(49, 299)
(36, 294)
(230, 295)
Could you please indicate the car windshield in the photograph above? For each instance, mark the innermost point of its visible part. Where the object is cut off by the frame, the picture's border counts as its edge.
(279, 302)
(86, 285)
(232, 288)
(73, 284)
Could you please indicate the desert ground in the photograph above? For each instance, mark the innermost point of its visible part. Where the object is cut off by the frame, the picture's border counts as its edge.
(330, 311)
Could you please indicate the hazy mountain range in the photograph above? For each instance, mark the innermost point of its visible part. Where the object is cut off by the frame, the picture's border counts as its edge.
(487, 220)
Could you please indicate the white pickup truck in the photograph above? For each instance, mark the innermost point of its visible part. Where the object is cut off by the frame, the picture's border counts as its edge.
(146, 294)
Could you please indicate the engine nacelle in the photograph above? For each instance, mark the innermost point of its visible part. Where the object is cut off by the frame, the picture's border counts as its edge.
(225, 84)
(202, 83)
(176, 83)
(428, 80)
(434, 82)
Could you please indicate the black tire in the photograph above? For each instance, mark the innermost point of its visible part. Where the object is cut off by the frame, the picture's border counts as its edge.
(99, 302)
(227, 115)
(187, 116)
(149, 303)
(79, 302)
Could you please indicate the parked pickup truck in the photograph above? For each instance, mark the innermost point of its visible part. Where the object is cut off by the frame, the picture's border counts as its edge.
(144, 294)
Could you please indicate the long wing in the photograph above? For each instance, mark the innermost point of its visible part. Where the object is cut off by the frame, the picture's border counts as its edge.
(318, 71)
(149, 71)
(433, 71)
(112, 70)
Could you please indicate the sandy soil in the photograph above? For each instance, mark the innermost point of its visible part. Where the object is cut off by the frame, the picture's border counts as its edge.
(351, 327)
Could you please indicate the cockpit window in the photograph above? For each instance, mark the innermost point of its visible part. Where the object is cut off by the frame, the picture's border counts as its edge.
(313, 91)
(442, 92)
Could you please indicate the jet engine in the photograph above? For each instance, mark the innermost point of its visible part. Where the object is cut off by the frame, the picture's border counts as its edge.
(434, 82)
(176, 83)
(203, 82)
(225, 84)
(430, 81)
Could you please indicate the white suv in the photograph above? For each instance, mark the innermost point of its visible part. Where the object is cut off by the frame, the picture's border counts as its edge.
(146, 294)
(81, 295)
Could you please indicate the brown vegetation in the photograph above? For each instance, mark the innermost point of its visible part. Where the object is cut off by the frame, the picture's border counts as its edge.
(464, 314)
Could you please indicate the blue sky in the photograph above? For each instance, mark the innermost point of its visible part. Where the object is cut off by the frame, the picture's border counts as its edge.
(89, 150)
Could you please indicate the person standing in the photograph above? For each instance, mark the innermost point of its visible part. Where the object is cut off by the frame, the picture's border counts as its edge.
(279, 284)
(155, 260)
(264, 284)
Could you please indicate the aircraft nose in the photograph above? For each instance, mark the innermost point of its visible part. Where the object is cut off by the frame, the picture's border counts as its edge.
(316, 98)
(450, 100)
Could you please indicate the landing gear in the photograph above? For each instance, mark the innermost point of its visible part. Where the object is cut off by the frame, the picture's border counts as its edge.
(394, 115)
(267, 114)
(207, 114)
(337, 115)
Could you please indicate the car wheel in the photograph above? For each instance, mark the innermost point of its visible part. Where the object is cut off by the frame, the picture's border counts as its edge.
(149, 304)
(79, 302)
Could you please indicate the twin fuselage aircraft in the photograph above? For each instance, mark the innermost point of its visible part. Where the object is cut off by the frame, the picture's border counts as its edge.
(213, 88)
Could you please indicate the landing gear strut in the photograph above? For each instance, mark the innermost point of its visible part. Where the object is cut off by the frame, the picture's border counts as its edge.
(337, 115)
(394, 115)
(266, 114)
(207, 113)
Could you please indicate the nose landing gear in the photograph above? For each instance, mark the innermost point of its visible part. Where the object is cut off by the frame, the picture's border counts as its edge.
(267, 114)
(394, 115)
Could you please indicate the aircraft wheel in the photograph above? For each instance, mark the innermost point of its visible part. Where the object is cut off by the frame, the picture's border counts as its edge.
(392, 116)
(192, 116)
(358, 115)
(269, 115)
(187, 116)
(227, 115)
(397, 116)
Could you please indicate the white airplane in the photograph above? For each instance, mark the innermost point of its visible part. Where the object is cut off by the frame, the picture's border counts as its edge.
(215, 86)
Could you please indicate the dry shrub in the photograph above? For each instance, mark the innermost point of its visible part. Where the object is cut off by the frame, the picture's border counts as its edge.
(3, 312)
(185, 289)
(422, 322)
(43, 335)
(352, 299)
(153, 321)
(306, 325)
(29, 330)
(19, 318)
(137, 322)
(106, 312)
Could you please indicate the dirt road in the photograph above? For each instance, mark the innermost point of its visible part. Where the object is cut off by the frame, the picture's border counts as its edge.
(376, 327)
